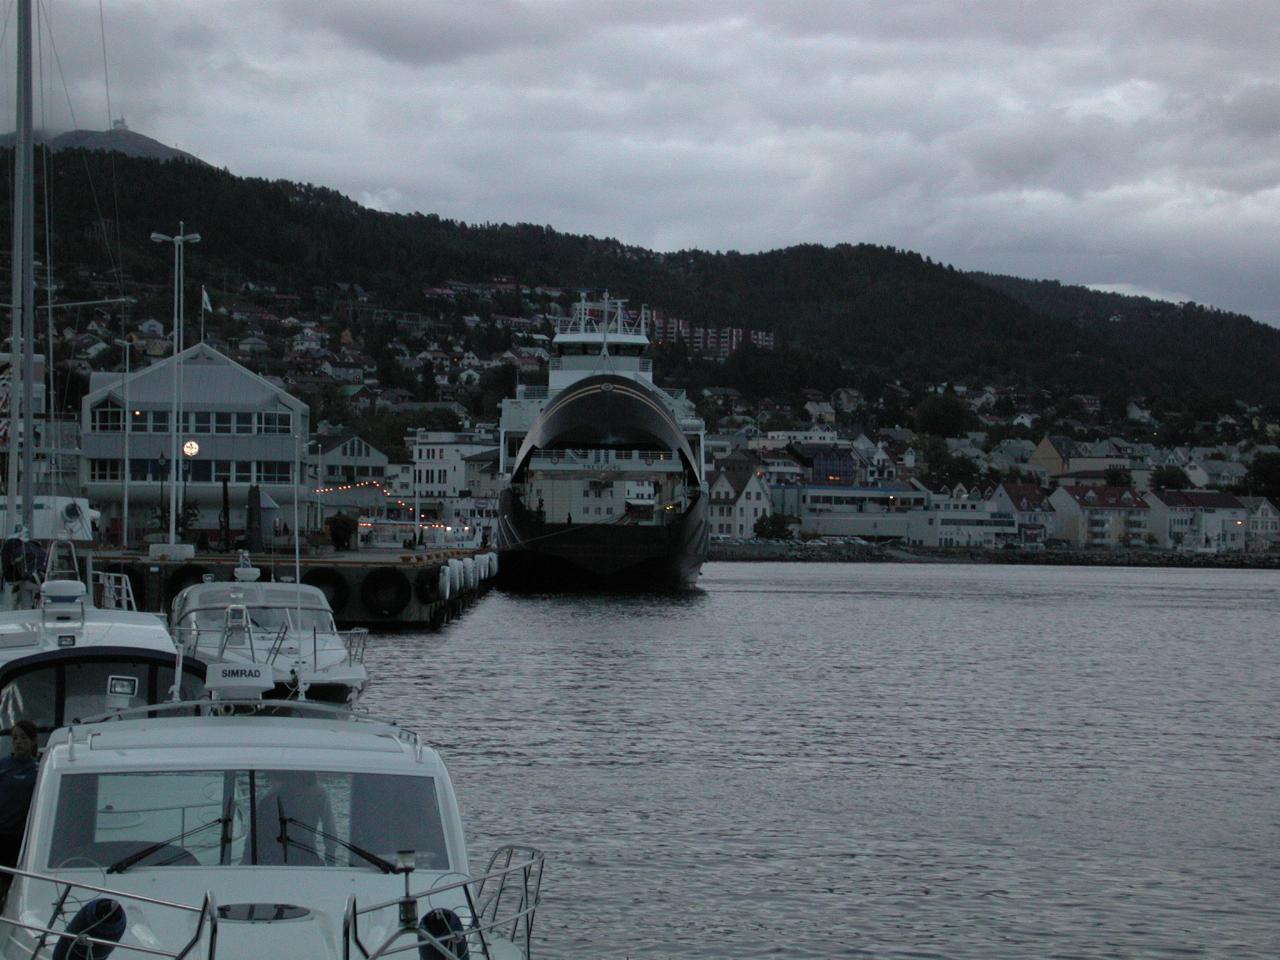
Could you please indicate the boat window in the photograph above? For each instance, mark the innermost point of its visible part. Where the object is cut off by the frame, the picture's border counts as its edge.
(93, 688)
(30, 696)
(319, 621)
(289, 818)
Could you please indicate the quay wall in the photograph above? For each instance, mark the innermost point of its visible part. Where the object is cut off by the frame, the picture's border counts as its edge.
(799, 552)
(365, 589)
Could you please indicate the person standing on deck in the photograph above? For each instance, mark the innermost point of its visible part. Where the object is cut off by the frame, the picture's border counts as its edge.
(17, 781)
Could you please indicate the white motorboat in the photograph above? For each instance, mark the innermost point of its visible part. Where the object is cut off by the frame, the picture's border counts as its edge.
(65, 617)
(287, 627)
(257, 828)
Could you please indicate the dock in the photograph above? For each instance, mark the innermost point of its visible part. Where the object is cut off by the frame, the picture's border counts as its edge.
(367, 588)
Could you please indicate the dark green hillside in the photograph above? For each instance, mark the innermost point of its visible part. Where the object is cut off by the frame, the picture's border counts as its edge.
(1196, 348)
(844, 315)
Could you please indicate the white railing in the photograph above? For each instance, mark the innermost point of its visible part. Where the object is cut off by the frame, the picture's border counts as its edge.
(501, 904)
(264, 646)
(113, 591)
(206, 916)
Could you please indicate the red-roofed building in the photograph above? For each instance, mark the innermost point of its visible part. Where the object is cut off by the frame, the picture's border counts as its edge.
(1101, 516)
(1029, 506)
(1198, 521)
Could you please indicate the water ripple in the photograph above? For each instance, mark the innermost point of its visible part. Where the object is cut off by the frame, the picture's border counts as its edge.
(824, 760)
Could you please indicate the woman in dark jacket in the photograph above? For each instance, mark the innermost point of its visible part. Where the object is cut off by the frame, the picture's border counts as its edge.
(17, 781)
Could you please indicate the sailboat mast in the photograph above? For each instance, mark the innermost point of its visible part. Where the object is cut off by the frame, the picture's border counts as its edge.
(21, 366)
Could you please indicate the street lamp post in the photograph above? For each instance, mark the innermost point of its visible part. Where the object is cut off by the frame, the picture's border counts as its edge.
(128, 422)
(179, 240)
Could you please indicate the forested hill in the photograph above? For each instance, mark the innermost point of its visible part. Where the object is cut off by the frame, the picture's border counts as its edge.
(1187, 345)
(845, 315)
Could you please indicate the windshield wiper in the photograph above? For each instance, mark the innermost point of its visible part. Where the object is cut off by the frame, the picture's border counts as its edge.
(124, 863)
(385, 866)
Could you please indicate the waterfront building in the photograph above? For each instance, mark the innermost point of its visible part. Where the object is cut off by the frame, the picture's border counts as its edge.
(439, 460)
(1100, 516)
(737, 503)
(1030, 508)
(1263, 529)
(237, 431)
(347, 458)
(879, 512)
(1198, 521)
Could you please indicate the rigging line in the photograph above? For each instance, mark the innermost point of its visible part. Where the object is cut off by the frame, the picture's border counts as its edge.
(52, 442)
(118, 263)
(84, 154)
(51, 404)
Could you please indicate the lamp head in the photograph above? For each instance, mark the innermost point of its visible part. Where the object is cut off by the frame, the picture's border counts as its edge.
(160, 238)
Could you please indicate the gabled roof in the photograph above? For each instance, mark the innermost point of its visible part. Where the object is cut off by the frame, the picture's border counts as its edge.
(1106, 498)
(1198, 499)
(215, 378)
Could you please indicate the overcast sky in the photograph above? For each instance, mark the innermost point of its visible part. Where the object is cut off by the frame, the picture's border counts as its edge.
(1130, 145)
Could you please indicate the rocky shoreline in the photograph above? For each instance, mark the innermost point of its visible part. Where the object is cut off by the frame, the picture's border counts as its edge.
(798, 552)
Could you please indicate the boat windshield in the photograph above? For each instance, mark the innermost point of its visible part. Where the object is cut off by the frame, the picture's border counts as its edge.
(266, 619)
(290, 818)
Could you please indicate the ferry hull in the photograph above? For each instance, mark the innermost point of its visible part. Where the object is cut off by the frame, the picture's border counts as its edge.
(536, 555)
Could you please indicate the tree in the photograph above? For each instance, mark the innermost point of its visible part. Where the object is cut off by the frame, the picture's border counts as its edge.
(944, 415)
(773, 526)
(341, 529)
(1169, 477)
(1118, 477)
(1263, 478)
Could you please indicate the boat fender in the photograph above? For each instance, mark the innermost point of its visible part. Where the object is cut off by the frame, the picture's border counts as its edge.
(385, 592)
(493, 564)
(469, 573)
(455, 576)
(332, 584)
(446, 928)
(443, 582)
(101, 918)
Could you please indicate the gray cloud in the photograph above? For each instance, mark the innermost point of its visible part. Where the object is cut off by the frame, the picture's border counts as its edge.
(1120, 143)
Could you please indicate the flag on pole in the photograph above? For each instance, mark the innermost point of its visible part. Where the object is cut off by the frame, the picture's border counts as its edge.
(205, 305)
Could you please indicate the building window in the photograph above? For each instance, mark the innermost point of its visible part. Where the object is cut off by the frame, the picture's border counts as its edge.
(275, 471)
(200, 471)
(107, 417)
(275, 422)
(159, 421)
(221, 470)
(244, 423)
(222, 423)
(201, 422)
(244, 471)
(104, 470)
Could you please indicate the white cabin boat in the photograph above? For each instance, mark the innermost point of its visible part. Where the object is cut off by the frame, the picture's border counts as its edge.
(65, 617)
(280, 829)
(288, 627)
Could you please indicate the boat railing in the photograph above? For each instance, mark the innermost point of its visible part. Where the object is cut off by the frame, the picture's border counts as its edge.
(500, 904)
(265, 647)
(355, 640)
(113, 591)
(206, 916)
(251, 707)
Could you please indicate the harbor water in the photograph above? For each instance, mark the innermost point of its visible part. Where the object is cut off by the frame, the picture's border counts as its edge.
(881, 760)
